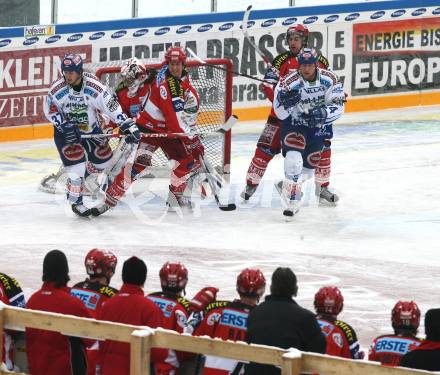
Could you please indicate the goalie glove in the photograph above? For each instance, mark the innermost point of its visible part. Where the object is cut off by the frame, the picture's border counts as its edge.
(131, 130)
(203, 298)
(289, 99)
(72, 134)
(315, 117)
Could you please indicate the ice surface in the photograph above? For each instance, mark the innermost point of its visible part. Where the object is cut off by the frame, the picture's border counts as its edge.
(378, 245)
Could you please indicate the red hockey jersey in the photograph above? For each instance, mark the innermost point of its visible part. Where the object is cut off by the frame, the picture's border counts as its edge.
(389, 349)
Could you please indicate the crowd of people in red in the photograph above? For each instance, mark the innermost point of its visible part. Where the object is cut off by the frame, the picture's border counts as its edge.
(277, 321)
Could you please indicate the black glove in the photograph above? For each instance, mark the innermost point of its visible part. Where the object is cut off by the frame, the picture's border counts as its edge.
(289, 99)
(315, 117)
(72, 134)
(131, 130)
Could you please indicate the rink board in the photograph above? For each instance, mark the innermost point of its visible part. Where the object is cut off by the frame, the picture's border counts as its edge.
(387, 54)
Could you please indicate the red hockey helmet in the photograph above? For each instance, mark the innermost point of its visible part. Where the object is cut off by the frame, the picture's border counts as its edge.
(173, 276)
(329, 300)
(251, 282)
(405, 314)
(301, 30)
(100, 263)
(175, 54)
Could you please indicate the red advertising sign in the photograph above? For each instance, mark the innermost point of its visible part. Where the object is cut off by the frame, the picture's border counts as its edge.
(25, 76)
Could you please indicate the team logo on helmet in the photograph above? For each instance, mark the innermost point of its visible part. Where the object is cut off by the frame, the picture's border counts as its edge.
(329, 300)
(405, 314)
(251, 282)
(307, 56)
(100, 263)
(173, 276)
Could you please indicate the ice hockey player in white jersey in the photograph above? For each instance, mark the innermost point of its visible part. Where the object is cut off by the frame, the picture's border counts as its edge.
(308, 101)
(73, 105)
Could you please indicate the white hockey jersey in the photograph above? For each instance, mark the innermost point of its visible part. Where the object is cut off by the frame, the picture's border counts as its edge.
(82, 108)
(326, 91)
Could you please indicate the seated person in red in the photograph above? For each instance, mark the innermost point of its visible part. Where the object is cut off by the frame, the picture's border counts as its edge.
(49, 352)
(389, 349)
(341, 337)
(130, 306)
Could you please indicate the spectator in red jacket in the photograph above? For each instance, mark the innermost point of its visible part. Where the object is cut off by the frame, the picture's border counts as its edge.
(49, 352)
(130, 306)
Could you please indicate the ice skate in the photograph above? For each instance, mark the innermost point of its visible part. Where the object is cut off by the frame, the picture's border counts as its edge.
(178, 203)
(100, 209)
(326, 196)
(81, 210)
(248, 191)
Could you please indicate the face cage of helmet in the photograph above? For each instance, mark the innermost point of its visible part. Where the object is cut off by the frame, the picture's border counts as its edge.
(133, 78)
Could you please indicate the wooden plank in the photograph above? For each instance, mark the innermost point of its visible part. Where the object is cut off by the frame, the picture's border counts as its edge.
(291, 362)
(140, 347)
(65, 324)
(228, 349)
(338, 366)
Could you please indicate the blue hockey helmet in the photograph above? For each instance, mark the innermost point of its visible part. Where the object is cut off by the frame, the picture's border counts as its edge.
(307, 56)
(72, 63)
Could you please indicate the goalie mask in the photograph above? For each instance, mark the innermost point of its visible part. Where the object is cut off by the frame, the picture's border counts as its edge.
(251, 283)
(329, 301)
(173, 277)
(100, 263)
(405, 315)
(133, 74)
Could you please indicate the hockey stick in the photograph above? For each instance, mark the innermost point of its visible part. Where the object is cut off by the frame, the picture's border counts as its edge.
(221, 130)
(212, 183)
(244, 28)
(192, 53)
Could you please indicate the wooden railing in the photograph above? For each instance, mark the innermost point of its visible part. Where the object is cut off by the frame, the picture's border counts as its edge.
(142, 339)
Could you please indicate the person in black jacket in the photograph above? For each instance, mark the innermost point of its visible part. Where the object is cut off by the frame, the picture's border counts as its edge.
(279, 321)
(427, 355)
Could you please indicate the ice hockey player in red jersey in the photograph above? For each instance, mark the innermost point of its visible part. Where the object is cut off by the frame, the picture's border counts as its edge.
(228, 320)
(95, 290)
(340, 336)
(269, 143)
(10, 294)
(389, 349)
(171, 107)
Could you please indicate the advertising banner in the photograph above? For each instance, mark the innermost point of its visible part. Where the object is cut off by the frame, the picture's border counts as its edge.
(379, 50)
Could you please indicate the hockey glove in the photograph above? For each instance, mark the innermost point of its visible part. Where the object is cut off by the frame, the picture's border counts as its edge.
(203, 298)
(315, 117)
(131, 130)
(289, 99)
(72, 134)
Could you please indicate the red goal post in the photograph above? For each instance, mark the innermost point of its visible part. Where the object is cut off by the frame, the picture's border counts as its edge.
(213, 82)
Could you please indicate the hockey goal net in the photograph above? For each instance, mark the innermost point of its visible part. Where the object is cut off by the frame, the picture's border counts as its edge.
(213, 82)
